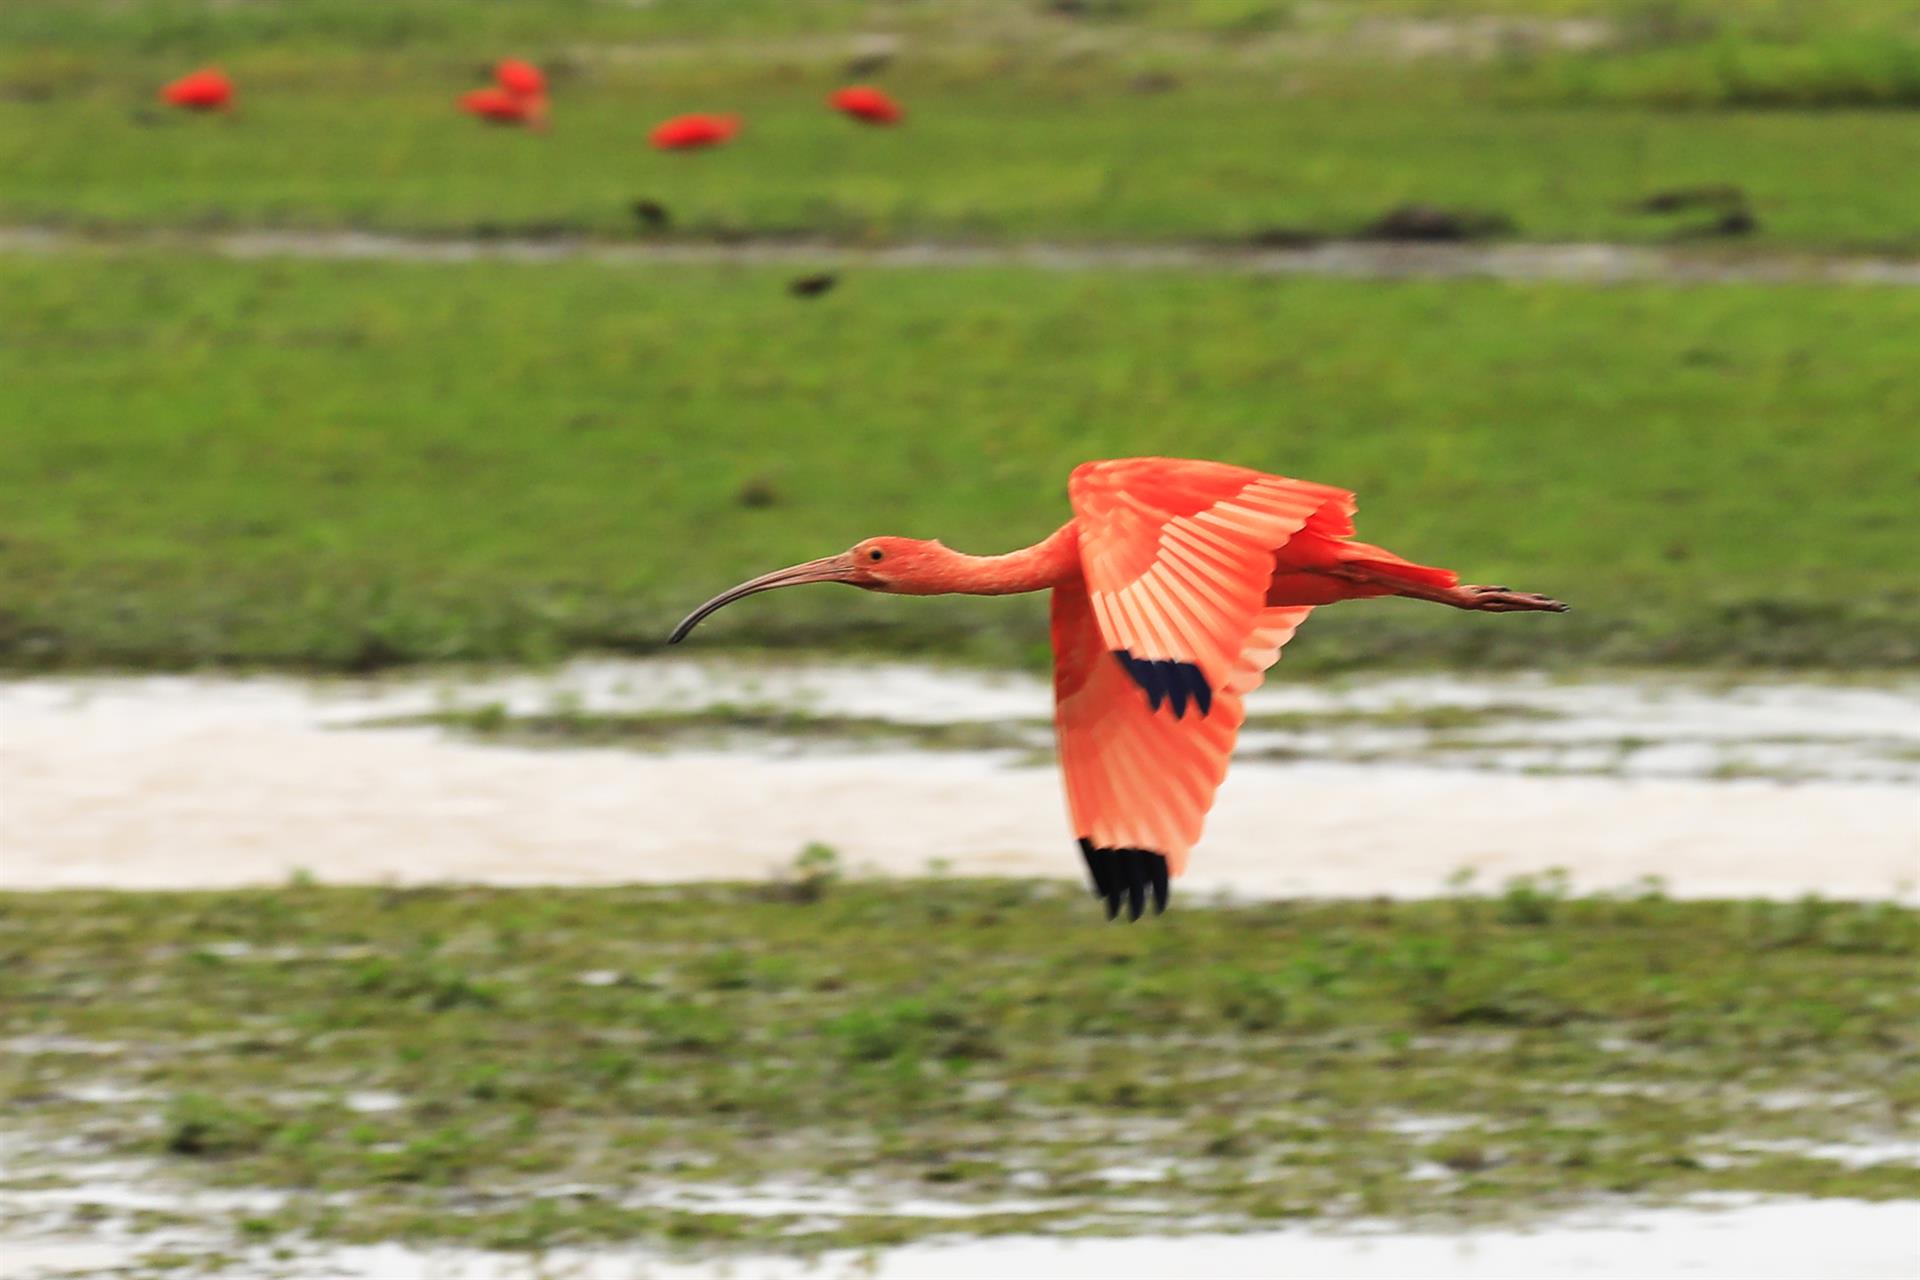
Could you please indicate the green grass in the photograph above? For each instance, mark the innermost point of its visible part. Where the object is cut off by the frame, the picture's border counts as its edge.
(352, 465)
(556, 1058)
(1140, 121)
(1034, 154)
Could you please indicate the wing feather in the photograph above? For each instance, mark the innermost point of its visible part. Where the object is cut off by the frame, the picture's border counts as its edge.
(1156, 649)
(1177, 557)
(1137, 777)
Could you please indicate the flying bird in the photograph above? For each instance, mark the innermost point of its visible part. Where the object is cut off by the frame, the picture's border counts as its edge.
(867, 104)
(1175, 586)
(204, 90)
(685, 133)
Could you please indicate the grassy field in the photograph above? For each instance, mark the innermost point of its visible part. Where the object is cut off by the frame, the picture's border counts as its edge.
(354, 465)
(1138, 123)
(525, 1068)
(348, 465)
(1041, 157)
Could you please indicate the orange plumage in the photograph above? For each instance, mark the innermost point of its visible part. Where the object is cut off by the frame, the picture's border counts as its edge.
(520, 78)
(866, 104)
(693, 132)
(1175, 586)
(205, 90)
(498, 106)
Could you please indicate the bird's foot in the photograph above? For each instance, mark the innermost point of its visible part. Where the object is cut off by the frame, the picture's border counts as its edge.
(1505, 600)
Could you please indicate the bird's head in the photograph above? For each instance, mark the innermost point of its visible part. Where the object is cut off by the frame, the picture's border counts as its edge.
(902, 566)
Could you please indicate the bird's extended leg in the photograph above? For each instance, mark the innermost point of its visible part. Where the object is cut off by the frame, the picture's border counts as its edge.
(1502, 600)
(1481, 598)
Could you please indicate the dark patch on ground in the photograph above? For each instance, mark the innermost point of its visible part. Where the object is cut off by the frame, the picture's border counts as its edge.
(651, 215)
(1710, 195)
(1730, 212)
(1430, 223)
(757, 493)
(1734, 222)
(812, 286)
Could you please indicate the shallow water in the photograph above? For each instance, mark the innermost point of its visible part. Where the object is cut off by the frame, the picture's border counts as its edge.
(1588, 263)
(1653, 726)
(1737, 1238)
(1376, 786)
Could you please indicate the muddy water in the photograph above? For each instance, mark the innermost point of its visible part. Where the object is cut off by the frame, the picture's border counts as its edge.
(1590, 263)
(1735, 1239)
(178, 782)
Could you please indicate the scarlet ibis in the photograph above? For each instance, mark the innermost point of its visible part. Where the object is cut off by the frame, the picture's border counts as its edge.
(205, 90)
(521, 79)
(1175, 585)
(683, 133)
(497, 106)
(867, 104)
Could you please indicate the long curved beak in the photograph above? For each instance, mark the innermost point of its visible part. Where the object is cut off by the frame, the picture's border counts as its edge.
(827, 569)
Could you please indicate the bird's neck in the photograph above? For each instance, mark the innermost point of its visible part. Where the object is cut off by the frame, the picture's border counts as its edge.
(1045, 564)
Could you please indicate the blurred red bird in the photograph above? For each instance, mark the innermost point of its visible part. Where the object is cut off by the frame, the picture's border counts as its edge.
(521, 79)
(501, 107)
(204, 90)
(1175, 585)
(687, 132)
(865, 103)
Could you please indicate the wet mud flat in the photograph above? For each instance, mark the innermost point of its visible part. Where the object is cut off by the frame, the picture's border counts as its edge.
(266, 1070)
(746, 1079)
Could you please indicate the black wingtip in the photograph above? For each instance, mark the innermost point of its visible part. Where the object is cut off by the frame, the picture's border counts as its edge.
(1127, 879)
(1202, 694)
(1169, 681)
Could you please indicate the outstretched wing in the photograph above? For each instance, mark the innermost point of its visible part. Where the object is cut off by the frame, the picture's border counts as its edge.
(1153, 656)
(1178, 556)
(1139, 780)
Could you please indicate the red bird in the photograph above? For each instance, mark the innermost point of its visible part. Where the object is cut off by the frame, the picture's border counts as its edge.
(521, 79)
(204, 90)
(501, 107)
(1175, 585)
(866, 103)
(687, 132)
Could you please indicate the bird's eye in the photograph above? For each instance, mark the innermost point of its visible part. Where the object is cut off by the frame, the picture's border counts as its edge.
(875, 554)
